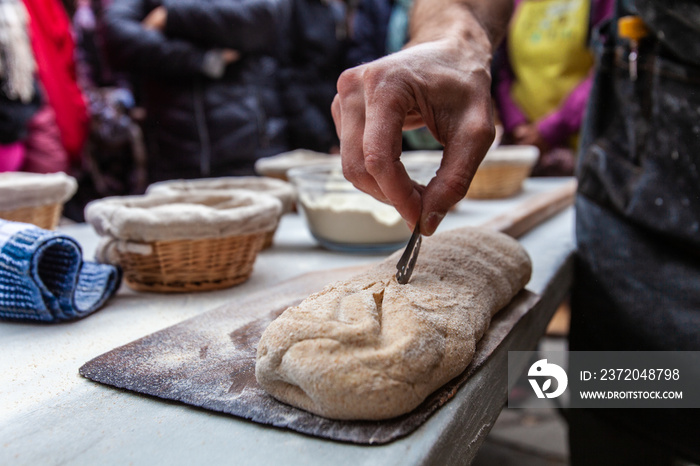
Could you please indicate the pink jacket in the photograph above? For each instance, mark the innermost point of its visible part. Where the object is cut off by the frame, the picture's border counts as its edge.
(11, 157)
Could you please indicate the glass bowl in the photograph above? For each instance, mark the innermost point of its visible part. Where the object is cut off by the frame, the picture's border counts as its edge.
(342, 218)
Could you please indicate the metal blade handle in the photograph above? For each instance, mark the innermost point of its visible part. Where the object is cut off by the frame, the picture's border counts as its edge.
(409, 257)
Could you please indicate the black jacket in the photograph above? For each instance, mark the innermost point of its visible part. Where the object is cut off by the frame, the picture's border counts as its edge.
(312, 57)
(15, 115)
(370, 25)
(196, 125)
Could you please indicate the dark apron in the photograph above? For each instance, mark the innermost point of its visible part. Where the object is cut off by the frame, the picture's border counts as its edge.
(637, 275)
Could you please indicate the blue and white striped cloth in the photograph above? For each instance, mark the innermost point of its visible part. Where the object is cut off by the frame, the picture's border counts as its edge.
(43, 276)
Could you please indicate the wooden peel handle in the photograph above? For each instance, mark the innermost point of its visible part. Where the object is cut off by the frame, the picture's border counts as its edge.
(534, 211)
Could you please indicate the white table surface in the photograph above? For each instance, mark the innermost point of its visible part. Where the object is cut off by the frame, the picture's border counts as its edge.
(49, 414)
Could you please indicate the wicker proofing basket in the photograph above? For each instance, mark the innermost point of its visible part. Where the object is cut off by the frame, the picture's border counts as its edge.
(44, 216)
(35, 198)
(276, 166)
(503, 172)
(183, 242)
(192, 265)
(277, 187)
(269, 239)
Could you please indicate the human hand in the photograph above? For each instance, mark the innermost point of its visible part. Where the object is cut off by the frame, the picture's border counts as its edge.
(156, 19)
(215, 61)
(528, 135)
(229, 56)
(443, 84)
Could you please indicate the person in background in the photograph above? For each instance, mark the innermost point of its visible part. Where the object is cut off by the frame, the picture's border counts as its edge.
(637, 264)
(58, 131)
(312, 57)
(367, 38)
(114, 156)
(543, 76)
(94, 70)
(206, 77)
(19, 98)
(380, 27)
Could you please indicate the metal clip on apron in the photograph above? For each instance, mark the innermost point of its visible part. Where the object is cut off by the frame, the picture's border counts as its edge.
(633, 29)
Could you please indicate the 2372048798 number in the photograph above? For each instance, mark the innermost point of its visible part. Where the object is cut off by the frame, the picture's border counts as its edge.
(639, 374)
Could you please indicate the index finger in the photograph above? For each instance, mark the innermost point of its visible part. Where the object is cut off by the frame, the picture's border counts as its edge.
(386, 110)
(349, 116)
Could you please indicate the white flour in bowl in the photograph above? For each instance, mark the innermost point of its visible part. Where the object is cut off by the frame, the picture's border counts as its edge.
(353, 218)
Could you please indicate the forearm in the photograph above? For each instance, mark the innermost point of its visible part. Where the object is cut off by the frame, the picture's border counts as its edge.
(478, 22)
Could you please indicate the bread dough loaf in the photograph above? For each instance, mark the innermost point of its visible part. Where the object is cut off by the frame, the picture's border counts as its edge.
(369, 348)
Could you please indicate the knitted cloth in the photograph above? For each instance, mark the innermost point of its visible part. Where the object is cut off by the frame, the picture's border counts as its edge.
(44, 278)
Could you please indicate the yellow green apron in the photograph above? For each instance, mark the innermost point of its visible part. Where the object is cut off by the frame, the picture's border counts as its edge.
(548, 52)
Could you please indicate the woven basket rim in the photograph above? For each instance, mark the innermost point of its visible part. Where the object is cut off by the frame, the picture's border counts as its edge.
(511, 155)
(23, 189)
(498, 181)
(282, 190)
(183, 216)
(277, 165)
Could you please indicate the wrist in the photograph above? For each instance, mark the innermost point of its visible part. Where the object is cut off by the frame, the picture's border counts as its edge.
(457, 30)
(480, 24)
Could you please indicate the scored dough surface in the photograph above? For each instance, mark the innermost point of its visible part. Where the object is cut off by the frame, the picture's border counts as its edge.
(369, 348)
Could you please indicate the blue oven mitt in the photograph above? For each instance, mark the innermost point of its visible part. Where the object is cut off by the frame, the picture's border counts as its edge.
(43, 276)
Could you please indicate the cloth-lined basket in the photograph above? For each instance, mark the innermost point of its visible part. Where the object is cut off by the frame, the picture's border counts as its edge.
(184, 242)
(35, 198)
(278, 188)
(277, 166)
(502, 172)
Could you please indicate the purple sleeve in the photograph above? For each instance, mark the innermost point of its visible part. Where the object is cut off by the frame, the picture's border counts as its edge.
(564, 122)
(601, 10)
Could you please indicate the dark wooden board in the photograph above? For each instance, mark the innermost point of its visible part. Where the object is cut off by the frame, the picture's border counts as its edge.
(209, 361)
